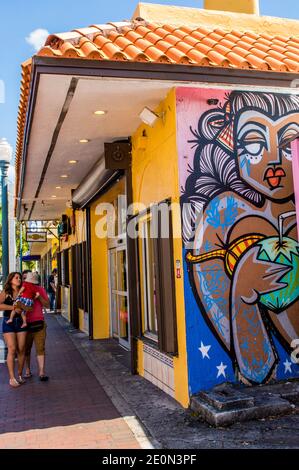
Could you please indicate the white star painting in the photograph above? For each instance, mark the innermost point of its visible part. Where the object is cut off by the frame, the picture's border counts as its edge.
(287, 366)
(221, 370)
(204, 350)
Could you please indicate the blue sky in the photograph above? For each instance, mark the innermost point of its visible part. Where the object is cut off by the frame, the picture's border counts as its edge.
(18, 18)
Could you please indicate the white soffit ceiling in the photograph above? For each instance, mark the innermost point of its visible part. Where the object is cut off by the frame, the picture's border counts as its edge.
(123, 99)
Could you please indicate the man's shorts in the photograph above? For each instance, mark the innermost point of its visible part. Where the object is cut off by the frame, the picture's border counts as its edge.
(39, 340)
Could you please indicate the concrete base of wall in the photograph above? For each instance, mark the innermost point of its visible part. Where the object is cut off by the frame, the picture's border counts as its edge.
(228, 403)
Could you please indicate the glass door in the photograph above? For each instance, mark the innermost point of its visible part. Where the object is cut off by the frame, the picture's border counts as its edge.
(119, 310)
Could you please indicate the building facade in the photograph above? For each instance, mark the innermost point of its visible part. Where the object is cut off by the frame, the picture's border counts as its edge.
(179, 238)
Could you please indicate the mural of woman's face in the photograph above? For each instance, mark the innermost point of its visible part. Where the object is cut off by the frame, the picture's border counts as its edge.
(265, 163)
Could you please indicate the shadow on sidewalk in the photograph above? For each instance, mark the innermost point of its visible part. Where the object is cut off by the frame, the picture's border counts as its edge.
(72, 396)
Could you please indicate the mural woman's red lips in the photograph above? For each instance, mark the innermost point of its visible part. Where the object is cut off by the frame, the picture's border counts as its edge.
(273, 176)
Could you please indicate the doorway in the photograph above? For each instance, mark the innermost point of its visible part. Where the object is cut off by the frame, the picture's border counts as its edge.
(118, 286)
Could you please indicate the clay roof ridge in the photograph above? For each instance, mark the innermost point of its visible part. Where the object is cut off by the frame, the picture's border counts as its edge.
(74, 36)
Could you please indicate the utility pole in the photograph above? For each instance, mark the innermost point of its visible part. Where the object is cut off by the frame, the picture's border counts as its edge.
(5, 157)
(21, 247)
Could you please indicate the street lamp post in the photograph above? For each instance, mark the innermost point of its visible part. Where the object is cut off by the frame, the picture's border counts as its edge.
(5, 157)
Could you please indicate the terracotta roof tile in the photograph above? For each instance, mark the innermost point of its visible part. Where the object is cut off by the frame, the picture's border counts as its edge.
(293, 43)
(225, 42)
(89, 50)
(276, 64)
(239, 34)
(258, 53)
(153, 37)
(292, 49)
(184, 37)
(174, 40)
(247, 39)
(278, 48)
(132, 35)
(207, 41)
(156, 55)
(292, 65)
(277, 42)
(276, 55)
(179, 33)
(257, 63)
(221, 32)
(216, 37)
(150, 42)
(112, 51)
(237, 60)
(218, 59)
(292, 56)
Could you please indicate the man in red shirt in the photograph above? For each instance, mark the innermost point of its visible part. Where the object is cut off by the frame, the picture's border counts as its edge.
(37, 329)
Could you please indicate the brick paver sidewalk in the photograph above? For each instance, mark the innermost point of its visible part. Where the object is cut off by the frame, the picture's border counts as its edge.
(70, 411)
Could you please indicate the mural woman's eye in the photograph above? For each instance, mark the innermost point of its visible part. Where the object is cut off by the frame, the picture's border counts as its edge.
(252, 143)
(287, 152)
(253, 147)
(286, 136)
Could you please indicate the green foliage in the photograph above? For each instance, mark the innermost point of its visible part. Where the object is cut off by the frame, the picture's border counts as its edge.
(25, 246)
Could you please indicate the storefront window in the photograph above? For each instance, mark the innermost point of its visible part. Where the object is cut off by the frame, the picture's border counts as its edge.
(121, 270)
(118, 294)
(118, 220)
(149, 280)
(65, 268)
(156, 283)
(123, 317)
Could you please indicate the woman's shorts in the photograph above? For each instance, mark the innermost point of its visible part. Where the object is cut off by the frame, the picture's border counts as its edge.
(39, 340)
(14, 327)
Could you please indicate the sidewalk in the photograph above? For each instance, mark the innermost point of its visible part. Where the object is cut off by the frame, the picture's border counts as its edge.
(70, 411)
(93, 401)
(166, 422)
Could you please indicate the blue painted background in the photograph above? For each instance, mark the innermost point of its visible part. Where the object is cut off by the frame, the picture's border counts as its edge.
(202, 372)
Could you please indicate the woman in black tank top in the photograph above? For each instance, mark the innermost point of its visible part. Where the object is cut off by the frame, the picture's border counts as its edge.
(13, 334)
(7, 301)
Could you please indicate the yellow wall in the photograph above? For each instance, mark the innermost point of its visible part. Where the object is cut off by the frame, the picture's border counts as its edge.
(75, 238)
(80, 230)
(155, 178)
(140, 368)
(244, 6)
(54, 248)
(211, 19)
(46, 248)
(99, 256)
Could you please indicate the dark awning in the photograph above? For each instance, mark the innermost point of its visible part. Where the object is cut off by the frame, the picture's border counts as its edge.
(97, 181)
(31, 258)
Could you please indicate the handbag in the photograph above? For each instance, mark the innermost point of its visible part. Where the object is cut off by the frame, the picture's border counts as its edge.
(35, 326)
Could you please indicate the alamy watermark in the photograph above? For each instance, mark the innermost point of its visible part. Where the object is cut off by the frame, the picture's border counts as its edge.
(160, 216)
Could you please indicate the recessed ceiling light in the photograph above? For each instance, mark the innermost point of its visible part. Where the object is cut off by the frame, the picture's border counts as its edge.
(53, 196)
(58, 187)
(73, 161)
(99, 112)
(84, 141)
(64, 176)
